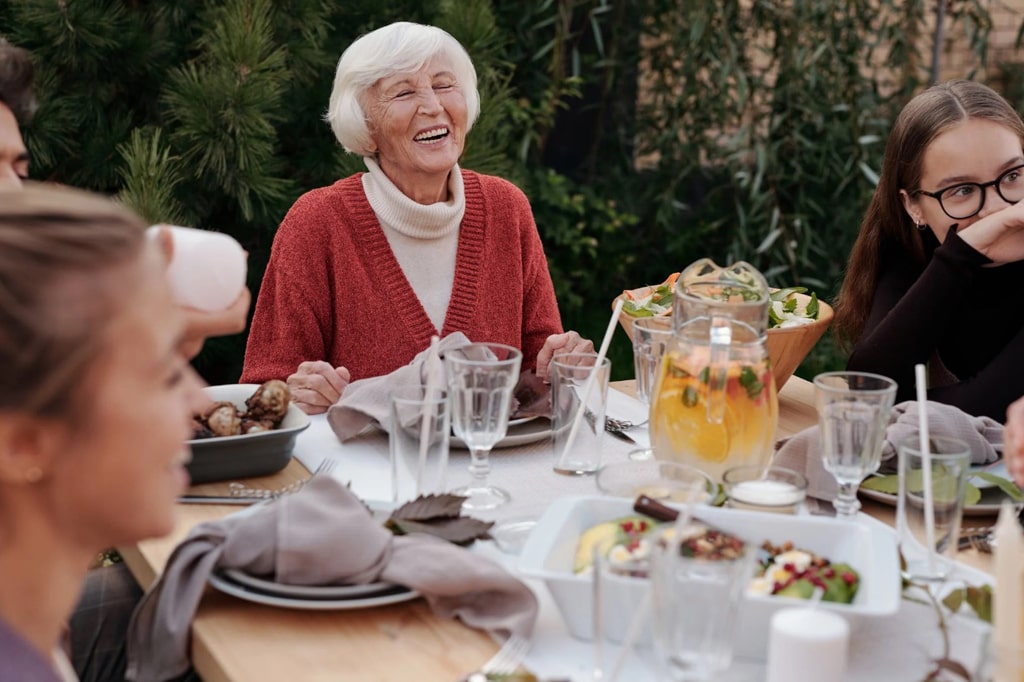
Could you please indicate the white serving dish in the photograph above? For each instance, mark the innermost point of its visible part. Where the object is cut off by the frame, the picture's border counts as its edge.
(866, 544)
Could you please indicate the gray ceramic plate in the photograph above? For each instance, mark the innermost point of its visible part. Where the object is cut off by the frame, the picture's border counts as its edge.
(256, 454)
(400, 594)
(307, 591)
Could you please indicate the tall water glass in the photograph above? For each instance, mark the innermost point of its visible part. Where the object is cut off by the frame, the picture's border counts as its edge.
(650, 339)
(853, 412)
(950, 460)
(695, 604)
(418, 441)
(578, 384)
(481, 378)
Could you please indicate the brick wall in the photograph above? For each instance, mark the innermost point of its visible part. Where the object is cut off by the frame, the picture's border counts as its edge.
(958, 61)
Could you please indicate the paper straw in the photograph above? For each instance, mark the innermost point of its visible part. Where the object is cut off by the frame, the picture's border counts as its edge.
(926, 464)
(426, 410)
(588, 386)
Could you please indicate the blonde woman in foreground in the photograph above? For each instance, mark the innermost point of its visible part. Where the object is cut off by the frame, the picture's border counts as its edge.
(95, 404)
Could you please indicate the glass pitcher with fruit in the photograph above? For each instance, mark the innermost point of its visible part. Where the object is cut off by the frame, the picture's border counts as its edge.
(714, 404)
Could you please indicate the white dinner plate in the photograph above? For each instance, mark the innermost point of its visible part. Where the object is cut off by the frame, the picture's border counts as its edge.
(989, 504)
(529, 431)
(521, 420)
(228, 586)
(306, 591)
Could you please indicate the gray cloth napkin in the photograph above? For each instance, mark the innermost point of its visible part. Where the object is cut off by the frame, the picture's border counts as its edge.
(322, 535)
(802, 451)
(368, 400)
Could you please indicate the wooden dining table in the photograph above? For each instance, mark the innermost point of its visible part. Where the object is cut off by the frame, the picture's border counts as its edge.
(239, 641)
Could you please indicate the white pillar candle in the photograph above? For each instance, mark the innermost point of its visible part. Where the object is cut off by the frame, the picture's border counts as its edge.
(207, 269)
(767, 492)
(766, 495)
(807, 645)
(1008, 603)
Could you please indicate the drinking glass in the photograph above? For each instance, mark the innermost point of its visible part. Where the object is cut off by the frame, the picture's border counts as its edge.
(695, 606)
(650, 339)
(578, 384)
(418, 441)
(621, 616)
(481, 378)
(853, 412)
(950, 461)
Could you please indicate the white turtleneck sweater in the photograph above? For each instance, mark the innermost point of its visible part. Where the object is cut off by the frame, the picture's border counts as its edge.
(424, 237)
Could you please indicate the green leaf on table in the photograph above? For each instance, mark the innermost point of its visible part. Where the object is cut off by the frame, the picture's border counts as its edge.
(980, 599)
(954, 600)
(1004, 484)
(884, 484)
(972, 495)
(460, 531)
(426, 507)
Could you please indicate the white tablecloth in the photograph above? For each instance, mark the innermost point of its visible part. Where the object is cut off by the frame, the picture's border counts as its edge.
(896, 648)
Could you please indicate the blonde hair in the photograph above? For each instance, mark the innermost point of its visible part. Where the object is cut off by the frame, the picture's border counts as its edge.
(62, 252)
(400, 47)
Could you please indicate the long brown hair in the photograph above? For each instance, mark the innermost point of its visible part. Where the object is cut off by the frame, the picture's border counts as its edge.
(16, 76)
(887, 229)
(62, 253)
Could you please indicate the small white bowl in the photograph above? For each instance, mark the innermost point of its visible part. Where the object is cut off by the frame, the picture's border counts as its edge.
(866, 544)
(253, 454)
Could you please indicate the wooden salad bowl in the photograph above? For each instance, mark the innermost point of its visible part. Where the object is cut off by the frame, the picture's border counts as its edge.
(787, 346)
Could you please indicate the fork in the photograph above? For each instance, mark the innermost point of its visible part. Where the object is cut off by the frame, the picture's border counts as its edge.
(326, 466)
(505, 662)
(980, 539)
(613, 424)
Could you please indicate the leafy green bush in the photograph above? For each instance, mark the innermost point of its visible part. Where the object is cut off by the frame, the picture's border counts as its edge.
(647, 133)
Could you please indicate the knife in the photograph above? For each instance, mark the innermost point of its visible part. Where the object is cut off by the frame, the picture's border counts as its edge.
(219, 499)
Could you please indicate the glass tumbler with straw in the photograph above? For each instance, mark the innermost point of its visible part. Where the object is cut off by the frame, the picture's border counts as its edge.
(853, 413)
(481, 379)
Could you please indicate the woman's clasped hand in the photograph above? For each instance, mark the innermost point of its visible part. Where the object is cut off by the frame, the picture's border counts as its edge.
(363, 273)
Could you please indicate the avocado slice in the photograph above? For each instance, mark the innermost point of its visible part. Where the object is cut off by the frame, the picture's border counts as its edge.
(606, 535)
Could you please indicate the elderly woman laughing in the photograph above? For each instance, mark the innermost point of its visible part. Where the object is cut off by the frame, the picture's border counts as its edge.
(364, 272)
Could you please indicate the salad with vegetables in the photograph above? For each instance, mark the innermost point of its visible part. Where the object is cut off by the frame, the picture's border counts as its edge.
(784, 311)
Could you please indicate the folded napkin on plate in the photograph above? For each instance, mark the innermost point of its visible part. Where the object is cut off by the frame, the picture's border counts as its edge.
(322, 535)
(802, 451)
(367, 400)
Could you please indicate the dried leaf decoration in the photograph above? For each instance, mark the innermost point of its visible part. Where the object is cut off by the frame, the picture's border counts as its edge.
(426, 507)
(438, 515)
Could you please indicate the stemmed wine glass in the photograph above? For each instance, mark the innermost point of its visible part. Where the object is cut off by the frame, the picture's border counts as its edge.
(481, 378)
(853, 413)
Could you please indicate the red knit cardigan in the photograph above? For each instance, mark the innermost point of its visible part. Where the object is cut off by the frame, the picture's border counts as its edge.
(334, 291)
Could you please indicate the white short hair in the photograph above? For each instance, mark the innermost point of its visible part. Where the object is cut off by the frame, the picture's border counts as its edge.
(401, 47)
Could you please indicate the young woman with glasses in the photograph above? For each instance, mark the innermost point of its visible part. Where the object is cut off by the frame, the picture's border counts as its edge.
(937, 271)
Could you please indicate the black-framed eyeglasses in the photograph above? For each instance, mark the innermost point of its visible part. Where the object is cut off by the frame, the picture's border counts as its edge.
(966, 199)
